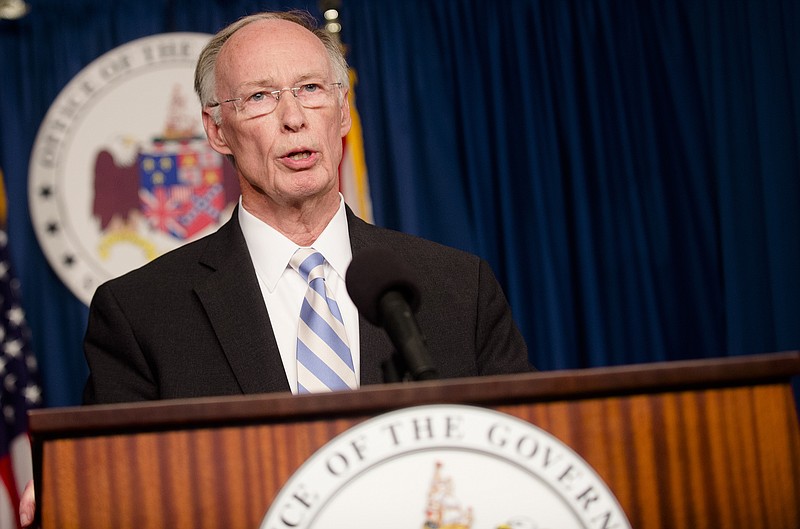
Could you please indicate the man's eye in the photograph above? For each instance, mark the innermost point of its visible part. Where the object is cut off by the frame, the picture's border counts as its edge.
(311, 88)
(257, 97)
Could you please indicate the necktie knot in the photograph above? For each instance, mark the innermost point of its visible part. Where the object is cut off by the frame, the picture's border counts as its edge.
(308, 263)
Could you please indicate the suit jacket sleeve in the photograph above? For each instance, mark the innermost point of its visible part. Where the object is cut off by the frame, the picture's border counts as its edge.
(499, 344)
(118, 369)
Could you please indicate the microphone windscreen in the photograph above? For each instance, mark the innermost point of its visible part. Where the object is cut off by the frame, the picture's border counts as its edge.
(374, 272)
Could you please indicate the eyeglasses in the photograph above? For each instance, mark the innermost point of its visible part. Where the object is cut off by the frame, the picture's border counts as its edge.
(311, 95)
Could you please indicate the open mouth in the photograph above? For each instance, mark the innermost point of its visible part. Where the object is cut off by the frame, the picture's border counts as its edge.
(300, 155)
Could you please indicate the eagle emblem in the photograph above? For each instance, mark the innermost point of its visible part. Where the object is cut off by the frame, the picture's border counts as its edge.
(173, 184)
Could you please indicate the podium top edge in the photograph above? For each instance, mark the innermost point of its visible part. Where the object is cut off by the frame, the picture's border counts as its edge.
(539, 386)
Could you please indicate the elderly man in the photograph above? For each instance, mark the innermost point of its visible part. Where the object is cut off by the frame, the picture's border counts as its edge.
(224, 315)
(261, 305)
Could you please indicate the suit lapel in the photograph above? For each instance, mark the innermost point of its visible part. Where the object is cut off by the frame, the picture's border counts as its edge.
(231, 290)
(233, 302)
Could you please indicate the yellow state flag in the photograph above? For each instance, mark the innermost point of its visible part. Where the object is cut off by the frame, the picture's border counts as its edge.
(353, 179)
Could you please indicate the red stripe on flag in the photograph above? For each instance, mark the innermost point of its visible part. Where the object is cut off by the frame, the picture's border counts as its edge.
(7, 474)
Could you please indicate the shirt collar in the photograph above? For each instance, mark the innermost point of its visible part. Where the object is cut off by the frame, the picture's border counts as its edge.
(270, 250)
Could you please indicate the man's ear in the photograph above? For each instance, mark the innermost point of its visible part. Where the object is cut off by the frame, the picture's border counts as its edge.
(216, 137)
(347, 120)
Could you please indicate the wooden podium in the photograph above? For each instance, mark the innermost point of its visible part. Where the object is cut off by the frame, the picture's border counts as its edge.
(690, 444)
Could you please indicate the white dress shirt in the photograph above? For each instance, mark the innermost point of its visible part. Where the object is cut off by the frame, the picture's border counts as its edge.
(283, 289)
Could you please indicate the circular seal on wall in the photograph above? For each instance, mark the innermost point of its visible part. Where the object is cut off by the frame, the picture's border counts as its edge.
(445, 466)
(121, 171)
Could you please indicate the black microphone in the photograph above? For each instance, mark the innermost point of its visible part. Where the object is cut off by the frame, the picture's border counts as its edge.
(385, 292)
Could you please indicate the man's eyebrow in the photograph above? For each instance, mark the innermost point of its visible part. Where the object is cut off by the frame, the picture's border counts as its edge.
(270, 83)
(310, 77)
(258, 83)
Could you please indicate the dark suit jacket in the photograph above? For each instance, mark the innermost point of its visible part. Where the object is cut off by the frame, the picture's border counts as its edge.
(193, 322)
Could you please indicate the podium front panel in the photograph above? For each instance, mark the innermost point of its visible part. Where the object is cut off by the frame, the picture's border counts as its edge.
(718, 454)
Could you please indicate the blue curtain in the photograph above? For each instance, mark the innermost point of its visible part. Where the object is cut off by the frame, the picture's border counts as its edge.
(630, 168)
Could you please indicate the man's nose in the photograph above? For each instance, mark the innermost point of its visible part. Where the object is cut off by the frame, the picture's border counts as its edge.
(290, 111)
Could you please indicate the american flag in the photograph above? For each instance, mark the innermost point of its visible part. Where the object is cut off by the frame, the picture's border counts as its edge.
(20, 390)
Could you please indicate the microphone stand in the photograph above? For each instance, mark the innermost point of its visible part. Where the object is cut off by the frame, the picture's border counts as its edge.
(411, 360)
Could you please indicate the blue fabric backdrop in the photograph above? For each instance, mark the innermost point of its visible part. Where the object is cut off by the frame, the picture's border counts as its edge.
(630, 168)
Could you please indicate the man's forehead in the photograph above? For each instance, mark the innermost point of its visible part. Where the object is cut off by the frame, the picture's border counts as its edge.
(267, 49)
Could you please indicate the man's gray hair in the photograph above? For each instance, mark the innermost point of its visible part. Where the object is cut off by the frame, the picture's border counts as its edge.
(204, 74)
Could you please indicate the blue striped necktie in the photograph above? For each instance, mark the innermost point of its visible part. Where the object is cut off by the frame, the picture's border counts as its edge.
(324, 362)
